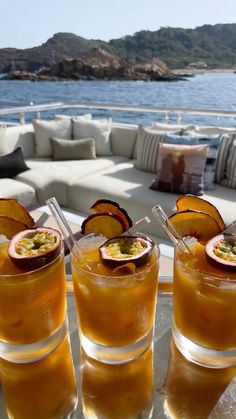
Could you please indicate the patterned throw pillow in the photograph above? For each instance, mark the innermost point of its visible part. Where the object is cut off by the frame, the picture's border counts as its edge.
(180, 168)
(213, 141)
(147, 149)
(230, 171)
(226, 145)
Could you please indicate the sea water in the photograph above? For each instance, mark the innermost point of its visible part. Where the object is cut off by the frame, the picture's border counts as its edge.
(203, 91)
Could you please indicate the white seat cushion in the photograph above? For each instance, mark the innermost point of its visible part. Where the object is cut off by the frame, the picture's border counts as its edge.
(11, 188)
(52, 178)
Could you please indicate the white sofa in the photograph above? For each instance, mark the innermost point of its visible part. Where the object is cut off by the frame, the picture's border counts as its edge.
(78, 183)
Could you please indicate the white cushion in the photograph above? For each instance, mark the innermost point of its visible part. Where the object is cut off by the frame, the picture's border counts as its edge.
(3, 144)
(123, 139)
(11, 188)
(169, 127)
(59, 117)
(44, 130)
(53, 178)
(100, 130)
(20, 135)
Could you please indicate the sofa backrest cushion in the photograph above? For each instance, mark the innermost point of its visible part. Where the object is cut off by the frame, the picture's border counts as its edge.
(98, 129)
(18, 136)
(44, 130)
(123, 139)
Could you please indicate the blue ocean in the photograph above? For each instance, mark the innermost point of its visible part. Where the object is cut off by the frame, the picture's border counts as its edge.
(203, 91)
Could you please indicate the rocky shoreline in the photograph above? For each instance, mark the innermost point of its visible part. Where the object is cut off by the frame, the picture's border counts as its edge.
(99, 65)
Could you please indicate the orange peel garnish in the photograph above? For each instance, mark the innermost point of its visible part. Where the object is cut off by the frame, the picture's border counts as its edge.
(9, 227)
(192, 202)
(12, 209)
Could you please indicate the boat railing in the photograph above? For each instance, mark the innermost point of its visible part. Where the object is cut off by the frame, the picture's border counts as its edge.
(178, 113)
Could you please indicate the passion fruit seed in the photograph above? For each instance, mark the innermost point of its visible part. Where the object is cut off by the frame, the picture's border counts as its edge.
(41, 242)
(125, 248)
(128, 249)
(225, 250)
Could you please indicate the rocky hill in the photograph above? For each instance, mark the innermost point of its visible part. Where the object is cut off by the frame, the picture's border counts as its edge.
(98, 65)
(213, 44)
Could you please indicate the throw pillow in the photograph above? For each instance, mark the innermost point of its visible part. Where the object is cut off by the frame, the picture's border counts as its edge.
(213, 141)
(44, 130)
(230, 171)
(180, 168)
(12, 164)
(226, 144)
(100, 130)
(73, 150)
(147, 149)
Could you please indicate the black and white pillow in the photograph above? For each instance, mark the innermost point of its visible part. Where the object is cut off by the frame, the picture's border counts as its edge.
(226, 145)
(230, 170)
(147, 149)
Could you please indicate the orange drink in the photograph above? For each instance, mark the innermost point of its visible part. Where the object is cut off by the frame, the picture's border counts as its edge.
(115, 307)
(32, 307)
(204, 315)
(117, 391)
(44, 389)
(192, 391)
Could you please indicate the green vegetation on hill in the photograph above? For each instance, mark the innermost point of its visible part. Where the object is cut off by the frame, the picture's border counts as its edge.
(213, 44)
(177, 47)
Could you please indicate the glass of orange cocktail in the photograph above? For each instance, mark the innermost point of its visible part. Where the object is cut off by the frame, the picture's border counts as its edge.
(117, 391)
(115, 307)
(204, 300)
(204, 315)
(44, 389)
(32, 307)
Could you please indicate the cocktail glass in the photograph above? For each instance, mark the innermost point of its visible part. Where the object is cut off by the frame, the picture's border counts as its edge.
(117, 391)
(32, 308)
(44, 389)
(204, 315)
(116, 310)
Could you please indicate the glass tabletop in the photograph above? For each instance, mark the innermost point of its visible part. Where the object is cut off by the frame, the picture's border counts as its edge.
(160, 384)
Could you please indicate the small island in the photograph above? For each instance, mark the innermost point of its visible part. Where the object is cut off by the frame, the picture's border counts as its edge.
(99, 65)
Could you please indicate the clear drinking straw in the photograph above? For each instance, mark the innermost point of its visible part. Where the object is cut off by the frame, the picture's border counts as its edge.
(63, 225)
(168, 227)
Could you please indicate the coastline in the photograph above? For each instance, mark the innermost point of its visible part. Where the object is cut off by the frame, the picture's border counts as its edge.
(203, 70)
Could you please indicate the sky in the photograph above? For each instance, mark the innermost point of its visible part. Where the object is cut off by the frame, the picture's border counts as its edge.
(29, 23)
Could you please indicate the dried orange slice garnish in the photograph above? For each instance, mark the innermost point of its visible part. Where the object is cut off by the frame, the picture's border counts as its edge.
(196, 224)
(106, 205)
(107, 224)
(12, 209)
(193, 202)
(9, 227)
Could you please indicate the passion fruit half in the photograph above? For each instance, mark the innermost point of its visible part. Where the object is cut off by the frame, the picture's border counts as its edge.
(127, 249)
(221, 251)
(34, 248)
